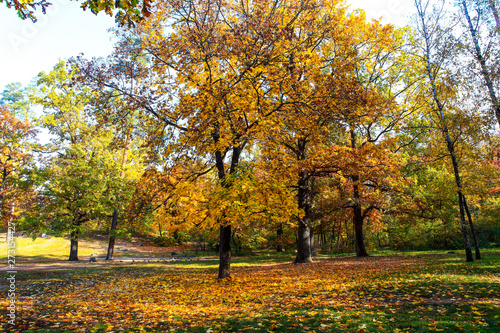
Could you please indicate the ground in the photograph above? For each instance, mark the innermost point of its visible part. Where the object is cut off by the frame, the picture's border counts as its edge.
(50, 253)
(389, 292)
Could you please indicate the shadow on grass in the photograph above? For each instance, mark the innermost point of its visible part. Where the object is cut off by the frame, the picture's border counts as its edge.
(391, 318)
(405, 318)
(439, 292)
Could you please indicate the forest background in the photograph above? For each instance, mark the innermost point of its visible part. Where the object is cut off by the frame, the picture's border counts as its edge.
(292, 125)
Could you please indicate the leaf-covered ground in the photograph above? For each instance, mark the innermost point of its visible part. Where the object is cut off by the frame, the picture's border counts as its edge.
(415, 293)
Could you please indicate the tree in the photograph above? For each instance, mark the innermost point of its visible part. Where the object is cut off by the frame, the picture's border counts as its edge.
(79, 180)
(494, 11)
(383, 72)
(15, 97)
(433, 55)
(75, 193)
(212, 83)
(114, 223)
(127, 12)
(325, 94)
(319, 65)
(15, 154)
(360, 111)
(478, 53)
(14, 157)
(25, 9)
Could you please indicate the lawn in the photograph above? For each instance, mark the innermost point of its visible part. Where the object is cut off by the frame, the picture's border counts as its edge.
(416, 292)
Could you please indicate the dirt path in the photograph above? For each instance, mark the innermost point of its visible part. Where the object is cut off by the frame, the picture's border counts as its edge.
(28, 265)
(127, 252)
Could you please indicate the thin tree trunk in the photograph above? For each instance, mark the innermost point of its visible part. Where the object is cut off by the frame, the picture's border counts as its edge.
(114, 223)
(472, 229)
(461, 203)
(451, 150)
(237, 248)
(10, 218)
(73, 253)
(482, 61)
(468, 252)
(323, 239)
(111, 245)
(334, 240)
(449, 143)
(279, 234)
(494, 10)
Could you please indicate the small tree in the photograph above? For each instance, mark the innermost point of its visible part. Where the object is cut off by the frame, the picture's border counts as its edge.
(434, 54)
(79, 179)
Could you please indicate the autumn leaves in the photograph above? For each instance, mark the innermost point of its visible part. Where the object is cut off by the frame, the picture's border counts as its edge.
(421, 292)
(274, 92)
(275, 123)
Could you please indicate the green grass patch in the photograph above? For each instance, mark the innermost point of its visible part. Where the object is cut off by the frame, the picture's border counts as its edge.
(49, 248)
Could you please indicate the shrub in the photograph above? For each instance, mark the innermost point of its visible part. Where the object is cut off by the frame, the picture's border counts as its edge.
(164, 241)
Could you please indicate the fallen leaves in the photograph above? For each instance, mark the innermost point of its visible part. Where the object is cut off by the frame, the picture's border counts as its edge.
(338, 294)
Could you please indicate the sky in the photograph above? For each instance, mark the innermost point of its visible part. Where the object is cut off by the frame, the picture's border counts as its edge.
(28, 48)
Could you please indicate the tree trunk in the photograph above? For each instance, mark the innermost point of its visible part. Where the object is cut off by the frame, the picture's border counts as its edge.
(480, 58)
(279, 234)
(10, 224)
(358, 217)
(461, 203)
(494, 10)
(114, 223)
(225, 231)
(111, 245)
(303, 244)
(468, 252)
(358, 232)
(237, 247)
(446, 134)
(323, 237)
(472, 229)
(453, 156)
(225, 252)
(304, 197)
(311, 236)
(73, 253)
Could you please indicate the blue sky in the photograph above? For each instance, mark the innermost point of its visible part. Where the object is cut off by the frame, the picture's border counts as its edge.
(28, 48)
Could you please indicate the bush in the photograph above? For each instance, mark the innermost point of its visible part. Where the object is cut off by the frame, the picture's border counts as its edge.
(164, 241)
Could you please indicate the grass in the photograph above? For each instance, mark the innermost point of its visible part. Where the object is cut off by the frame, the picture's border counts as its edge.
(410, 292)
(57, 248)
(49, 248)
